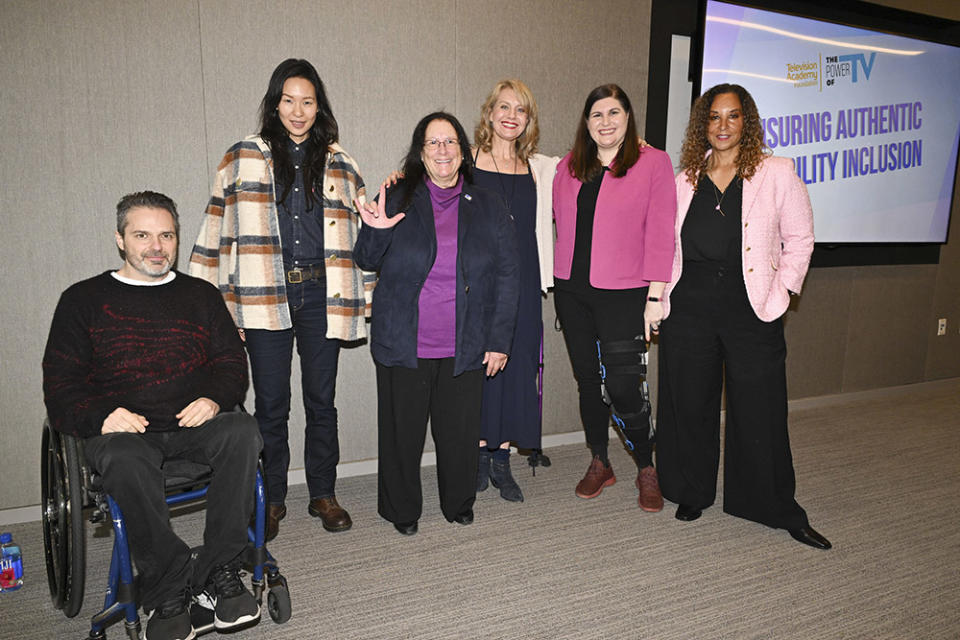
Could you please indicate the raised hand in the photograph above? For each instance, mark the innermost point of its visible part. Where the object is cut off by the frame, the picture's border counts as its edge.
(374, 214)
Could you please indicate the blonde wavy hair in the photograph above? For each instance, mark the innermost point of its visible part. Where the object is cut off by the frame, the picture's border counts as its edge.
(693, 153)
(528, 140)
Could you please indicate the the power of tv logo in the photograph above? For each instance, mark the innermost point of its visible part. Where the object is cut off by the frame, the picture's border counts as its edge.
(850, 65)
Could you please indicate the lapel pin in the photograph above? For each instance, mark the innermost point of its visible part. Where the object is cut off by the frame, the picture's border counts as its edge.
(467, 196)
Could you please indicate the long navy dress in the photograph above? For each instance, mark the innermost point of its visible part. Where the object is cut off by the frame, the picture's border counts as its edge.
(510, 410)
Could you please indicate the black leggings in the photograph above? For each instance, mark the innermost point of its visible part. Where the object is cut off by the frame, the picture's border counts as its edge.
(608, 316)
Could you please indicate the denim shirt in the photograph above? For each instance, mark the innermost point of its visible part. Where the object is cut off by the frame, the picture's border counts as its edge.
(301, 229)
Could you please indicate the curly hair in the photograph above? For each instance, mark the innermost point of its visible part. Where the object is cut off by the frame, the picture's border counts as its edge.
(693, 154)
(527, 141)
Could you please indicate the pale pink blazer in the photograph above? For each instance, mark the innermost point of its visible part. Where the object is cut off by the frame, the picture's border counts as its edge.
(777, 236)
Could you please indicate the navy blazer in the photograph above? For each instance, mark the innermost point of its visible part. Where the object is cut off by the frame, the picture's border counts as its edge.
(488, 276)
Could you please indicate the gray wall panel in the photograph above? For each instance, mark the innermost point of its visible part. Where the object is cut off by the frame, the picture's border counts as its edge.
(816, 333)
(943, 352)
(886, 344)
(561, 55)
(92, 109)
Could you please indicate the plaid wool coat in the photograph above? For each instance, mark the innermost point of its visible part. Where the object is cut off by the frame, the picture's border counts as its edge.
(238, 248)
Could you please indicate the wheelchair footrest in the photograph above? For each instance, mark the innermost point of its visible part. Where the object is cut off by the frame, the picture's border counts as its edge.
(201, 618)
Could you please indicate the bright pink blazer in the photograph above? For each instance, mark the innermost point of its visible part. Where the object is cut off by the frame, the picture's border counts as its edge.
(777, 236)
(632, 228)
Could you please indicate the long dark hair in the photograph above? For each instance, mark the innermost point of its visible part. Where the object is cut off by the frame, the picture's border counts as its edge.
(413, 169)
(584, 163)
(753, 149)
(323, 133)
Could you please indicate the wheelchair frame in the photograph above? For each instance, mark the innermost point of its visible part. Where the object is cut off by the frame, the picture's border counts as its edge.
(68, 487)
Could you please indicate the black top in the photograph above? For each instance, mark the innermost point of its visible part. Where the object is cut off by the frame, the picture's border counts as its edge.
(709, 235)
(301, 228)
(583, 239)
(519, 192)
(149, 349)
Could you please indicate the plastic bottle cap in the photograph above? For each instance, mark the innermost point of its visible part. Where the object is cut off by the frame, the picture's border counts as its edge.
(5, 538)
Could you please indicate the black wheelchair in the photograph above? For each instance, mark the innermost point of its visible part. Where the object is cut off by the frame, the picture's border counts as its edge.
(69, 487)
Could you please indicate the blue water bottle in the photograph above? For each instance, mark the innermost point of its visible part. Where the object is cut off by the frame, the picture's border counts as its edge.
(11, 564)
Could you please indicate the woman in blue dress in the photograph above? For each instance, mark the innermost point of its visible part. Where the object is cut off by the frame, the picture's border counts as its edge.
(506, 162)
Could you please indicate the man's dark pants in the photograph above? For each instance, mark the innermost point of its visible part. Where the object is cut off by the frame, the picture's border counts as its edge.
(130, 464)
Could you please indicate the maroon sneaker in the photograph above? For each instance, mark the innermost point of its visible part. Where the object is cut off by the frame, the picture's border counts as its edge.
(650, 497)
(598, 476)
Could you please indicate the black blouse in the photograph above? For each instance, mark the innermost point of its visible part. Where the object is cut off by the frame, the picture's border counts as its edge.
(709, 235)
(583, 238)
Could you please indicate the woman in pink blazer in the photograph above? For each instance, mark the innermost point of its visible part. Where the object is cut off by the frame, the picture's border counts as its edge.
(744, 235)
(614, 207)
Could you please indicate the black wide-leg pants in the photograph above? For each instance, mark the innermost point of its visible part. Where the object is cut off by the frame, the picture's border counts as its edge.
(712, 332)
(406, 399)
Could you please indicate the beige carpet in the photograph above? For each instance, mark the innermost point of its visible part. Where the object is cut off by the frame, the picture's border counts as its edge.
(878, 472)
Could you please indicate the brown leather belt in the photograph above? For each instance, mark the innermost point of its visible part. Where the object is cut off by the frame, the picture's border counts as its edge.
(302, 274)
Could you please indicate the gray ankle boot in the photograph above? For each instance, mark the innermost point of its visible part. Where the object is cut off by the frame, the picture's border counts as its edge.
(501, 478)
(483, 469)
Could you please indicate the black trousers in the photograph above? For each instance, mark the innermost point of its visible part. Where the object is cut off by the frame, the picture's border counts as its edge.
(406, 399)
(712, 332)
(608, 316)
(130, 464)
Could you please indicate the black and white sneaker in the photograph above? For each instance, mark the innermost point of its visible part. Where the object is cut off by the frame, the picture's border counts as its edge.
(171, 620)
(232, 603)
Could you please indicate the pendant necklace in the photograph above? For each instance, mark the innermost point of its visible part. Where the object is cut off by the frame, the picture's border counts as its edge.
(513, 184)
(718, 196)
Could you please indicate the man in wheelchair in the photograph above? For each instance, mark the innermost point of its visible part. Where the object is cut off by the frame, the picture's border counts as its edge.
(140, 363)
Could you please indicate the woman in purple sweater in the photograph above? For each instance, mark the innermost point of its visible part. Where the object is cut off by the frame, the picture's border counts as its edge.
(614, 206)
(443, 317)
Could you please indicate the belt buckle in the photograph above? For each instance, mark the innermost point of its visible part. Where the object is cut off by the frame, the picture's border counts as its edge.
(295, 276)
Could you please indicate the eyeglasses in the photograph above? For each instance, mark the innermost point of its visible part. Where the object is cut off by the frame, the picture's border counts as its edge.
(434, 143)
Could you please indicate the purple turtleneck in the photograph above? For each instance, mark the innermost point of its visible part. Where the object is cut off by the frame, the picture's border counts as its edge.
(437, 330)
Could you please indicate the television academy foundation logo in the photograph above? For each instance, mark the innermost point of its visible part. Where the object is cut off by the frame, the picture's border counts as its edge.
(804, 74)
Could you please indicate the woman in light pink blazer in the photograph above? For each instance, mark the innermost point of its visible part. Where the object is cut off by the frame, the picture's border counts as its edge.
(744, 236)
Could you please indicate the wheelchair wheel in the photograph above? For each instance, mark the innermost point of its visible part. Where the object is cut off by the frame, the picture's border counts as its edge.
(64, 542)
(278, 604)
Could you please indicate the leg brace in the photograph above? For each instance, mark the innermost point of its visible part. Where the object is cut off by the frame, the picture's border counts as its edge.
(627, 358)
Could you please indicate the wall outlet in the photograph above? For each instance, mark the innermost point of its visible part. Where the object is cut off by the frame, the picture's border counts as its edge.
(942, 327)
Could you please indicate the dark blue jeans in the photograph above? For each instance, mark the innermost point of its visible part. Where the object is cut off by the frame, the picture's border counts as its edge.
(271, 354)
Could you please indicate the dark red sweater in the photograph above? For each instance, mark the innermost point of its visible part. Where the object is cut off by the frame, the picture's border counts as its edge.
(149, 349)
